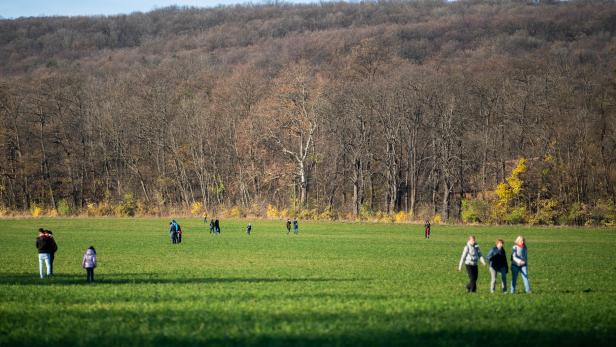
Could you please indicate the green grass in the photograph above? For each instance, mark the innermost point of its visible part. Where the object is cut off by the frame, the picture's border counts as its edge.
(334, 284)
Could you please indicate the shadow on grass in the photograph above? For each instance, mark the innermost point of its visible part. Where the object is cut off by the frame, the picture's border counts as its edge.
(147, 278)
(473, 337)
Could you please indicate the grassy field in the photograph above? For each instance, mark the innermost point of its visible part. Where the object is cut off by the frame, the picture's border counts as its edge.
(333, 284)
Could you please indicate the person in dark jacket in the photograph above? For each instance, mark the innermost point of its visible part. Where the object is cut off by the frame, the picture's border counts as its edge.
(179, 231)
(54, 247)
(212, 226)
(498, 264)
(427, 229)
(288, 226)
(217, 226)
(44, 248)
(248, 229)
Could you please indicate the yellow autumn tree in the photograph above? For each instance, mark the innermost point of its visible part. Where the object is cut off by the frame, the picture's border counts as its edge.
(508, 207)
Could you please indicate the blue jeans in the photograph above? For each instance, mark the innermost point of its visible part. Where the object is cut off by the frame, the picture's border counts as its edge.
(523, 270)
(494, 274)
(44, 258)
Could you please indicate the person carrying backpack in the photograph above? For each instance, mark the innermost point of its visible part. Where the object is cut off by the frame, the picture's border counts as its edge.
(471, 255)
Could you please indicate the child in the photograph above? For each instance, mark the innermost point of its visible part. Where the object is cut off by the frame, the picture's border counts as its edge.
(470, 255)
(498, 264)
(288, 226)
(519, 263)
(89, 263)
(427, 229)
(179, 230)
(295, 226)
(248, 229)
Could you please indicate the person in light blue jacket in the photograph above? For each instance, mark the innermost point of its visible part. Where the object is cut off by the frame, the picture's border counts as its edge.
(519, 264)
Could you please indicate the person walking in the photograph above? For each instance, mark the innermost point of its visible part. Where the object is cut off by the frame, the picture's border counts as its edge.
(217, 226)
(519, 264)
(498, 265)
(248, 229)
(288, 226)
(295, 226)
(44, 248)
(471, 254)
(211, 226)
(89, 263)
(427, 229)
(173, 232)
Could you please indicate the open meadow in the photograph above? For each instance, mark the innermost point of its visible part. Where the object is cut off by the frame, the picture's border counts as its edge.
(333, 284)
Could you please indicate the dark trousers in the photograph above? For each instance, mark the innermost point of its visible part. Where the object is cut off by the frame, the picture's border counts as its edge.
(473, 273)
(90, 274)
(179, 238)
(174, 238)
(51, 256)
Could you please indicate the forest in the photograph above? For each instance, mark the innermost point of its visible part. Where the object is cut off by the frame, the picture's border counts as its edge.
(468, 111)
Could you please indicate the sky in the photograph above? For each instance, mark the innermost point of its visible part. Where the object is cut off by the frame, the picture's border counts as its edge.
(35, 8)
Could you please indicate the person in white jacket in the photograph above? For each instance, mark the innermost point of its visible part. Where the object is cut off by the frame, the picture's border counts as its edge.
(89, 263)
(519, 264)
(471, 255)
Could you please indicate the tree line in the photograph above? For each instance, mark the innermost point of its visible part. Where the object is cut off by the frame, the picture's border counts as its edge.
(492, 112)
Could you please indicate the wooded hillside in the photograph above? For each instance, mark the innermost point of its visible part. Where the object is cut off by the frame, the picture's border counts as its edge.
(476, 111)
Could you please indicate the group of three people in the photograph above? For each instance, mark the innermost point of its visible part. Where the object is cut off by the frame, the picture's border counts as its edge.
(471, 256)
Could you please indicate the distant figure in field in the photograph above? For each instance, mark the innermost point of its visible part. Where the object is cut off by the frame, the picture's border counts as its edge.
(498, 264)
(217, 226)
(288, 226)
(45, 246)
(52, 255)
(212, 226)
(180, 232)
(248, 229)
(89, 263)
(427, 229)
(471, 254)
(519, 263)
(295, 226)
(204, 218)
(173, 231)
